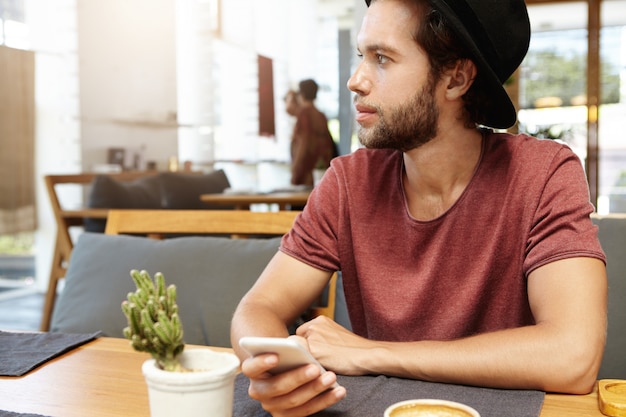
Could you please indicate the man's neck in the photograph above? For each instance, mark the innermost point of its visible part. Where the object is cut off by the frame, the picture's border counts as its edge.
(437, 173)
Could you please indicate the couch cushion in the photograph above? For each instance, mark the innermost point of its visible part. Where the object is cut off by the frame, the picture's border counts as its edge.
(107, 192)
(612, 235)
(182, 191)
(212, 274)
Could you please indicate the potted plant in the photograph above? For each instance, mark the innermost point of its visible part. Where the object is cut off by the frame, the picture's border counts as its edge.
(181, 382)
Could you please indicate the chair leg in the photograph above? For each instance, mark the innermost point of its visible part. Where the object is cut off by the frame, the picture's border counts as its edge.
(328, 309)
(57, 272)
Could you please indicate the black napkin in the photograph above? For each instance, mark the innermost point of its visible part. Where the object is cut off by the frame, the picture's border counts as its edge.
(13, 414)
(23, 352)
(371, 395)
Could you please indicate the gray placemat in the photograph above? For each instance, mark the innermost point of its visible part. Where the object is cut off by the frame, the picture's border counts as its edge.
(371, 395)
(13, 414)
(23, 352)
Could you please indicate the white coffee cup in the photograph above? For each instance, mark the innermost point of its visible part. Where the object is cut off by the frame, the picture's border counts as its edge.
(430, 408)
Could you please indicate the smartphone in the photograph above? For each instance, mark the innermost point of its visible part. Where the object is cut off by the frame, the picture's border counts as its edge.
(291, 354)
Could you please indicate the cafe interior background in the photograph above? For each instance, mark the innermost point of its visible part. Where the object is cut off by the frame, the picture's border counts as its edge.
(203, 81)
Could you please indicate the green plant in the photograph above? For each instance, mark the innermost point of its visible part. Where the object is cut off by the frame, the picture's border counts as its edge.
(17, 244)
(154, 325)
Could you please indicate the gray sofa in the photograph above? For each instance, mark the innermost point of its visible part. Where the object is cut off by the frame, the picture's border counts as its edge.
(612, 233)
(213, 274)
(164, 190)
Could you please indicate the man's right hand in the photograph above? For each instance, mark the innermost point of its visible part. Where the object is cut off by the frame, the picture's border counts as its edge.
(296, 393)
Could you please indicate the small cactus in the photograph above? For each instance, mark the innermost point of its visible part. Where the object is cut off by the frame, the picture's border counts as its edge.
(153, 322)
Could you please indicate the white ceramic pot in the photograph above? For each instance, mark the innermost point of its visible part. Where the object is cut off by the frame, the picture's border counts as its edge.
(208, 391)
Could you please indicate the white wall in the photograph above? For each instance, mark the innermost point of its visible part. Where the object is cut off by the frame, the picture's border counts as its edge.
(107, 77)
(126, 96)
(52, 36)
(127, 71)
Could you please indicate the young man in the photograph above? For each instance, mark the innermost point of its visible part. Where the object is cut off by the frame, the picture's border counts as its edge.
(468, 256)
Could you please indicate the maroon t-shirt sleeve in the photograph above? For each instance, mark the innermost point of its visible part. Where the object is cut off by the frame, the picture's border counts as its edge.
(562, 227)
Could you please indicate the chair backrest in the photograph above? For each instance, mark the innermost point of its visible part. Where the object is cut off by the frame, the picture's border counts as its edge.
(84, 179)
(69, 217)
(612, 234)
(237, 223)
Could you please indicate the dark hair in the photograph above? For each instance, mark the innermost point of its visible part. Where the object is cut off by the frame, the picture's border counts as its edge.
(444, 49)
(308, 89)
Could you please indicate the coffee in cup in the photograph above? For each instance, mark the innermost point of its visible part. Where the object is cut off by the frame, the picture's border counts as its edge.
(430, 408)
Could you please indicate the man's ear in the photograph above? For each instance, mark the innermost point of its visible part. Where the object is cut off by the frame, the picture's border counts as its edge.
(460, 78)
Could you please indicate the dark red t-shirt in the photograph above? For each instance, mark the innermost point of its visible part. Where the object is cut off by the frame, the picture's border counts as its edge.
(462, 273)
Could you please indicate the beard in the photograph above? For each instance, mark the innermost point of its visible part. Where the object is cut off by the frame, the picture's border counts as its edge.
(406, 126)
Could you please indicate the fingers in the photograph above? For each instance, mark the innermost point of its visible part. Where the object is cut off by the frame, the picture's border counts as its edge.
(317, 320)
(299, 392)
(300, 339)
(318, 403)
(319, 325)
(259, 366)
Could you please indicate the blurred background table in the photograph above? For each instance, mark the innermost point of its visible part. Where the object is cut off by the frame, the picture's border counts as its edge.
(242, 201)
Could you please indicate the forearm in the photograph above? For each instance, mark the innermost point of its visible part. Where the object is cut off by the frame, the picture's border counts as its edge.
(562, 352)
(255, 320)
(533, 357)
(277, 299)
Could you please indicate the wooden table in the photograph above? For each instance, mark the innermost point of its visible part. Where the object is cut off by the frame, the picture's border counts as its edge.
(103, 379)
(243, 201)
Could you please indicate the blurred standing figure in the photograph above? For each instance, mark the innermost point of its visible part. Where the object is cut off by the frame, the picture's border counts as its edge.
(292, 107)
(312, 145)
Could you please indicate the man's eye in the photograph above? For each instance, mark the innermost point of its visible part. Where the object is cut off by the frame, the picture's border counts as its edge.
(382, 59)
(359, 55)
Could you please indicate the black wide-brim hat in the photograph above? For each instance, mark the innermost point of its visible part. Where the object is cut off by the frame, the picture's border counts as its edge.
(497, 35)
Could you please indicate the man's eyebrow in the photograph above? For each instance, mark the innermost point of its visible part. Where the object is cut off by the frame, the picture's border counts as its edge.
(379, 47)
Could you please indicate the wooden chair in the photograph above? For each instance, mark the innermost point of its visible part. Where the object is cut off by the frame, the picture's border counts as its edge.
(238, 224)
(65, 219)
